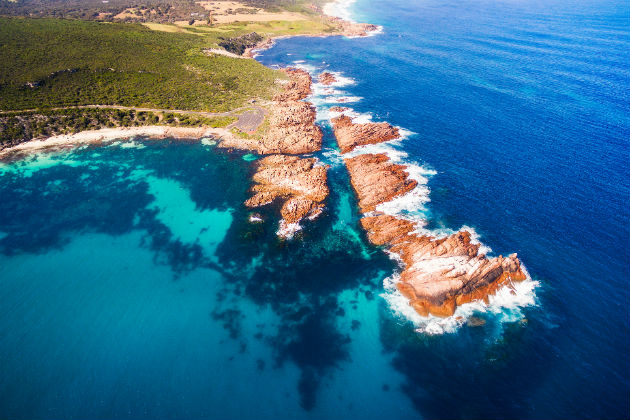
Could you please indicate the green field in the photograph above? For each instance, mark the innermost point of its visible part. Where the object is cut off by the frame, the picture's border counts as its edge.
(56, 62)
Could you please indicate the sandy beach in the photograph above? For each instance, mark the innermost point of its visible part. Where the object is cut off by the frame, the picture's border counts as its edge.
(109, 134)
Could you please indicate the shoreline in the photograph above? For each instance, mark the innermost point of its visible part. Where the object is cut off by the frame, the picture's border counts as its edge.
(348, 28)
(110, 134)
(156, 131)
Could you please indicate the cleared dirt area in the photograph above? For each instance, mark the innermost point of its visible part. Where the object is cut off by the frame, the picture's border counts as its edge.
(232, 11)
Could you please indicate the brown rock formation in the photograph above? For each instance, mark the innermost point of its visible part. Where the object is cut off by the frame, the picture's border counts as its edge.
(296, 181)
(292, 128)
(439, 273)
(338, 109)
(298, 87)
(353, 29)
(350, 135)
(327, 78)
(376, 180)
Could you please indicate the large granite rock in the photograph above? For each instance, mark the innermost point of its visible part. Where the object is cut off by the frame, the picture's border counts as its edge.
(350, 135)
(376, 180)
(441, 273)
(297, 182)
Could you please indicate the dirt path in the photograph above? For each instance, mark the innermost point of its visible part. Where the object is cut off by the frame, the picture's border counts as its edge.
(248, 121)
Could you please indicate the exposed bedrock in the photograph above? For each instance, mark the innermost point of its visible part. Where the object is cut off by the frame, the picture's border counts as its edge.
(292, 128)
(353, 28)
(376, 179)
(327, 78)
(297, 182)
(298, 87)
(350, 135)
(438, 273)
(441, 273)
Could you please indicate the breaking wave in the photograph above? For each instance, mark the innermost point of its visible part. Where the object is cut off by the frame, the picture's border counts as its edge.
(505, 305)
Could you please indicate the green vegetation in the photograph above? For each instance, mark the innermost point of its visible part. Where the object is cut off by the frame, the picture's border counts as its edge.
(239, 44)
(64, 55)
(16, 128)
(161, 11)
(53, 62)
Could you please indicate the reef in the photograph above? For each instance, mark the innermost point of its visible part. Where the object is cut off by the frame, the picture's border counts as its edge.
(327, 78)
(298, 182)
(439, 273)
(350, 135)
(291, 123)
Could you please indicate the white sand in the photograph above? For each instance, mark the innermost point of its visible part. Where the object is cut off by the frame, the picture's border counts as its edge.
(109, 134)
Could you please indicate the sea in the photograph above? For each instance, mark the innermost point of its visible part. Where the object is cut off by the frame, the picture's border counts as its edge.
(135, 285)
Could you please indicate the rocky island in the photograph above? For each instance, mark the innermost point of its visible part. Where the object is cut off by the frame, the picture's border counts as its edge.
(438, 273)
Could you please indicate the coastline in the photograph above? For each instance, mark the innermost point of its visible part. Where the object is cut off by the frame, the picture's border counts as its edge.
(349, 29)
(111, 134)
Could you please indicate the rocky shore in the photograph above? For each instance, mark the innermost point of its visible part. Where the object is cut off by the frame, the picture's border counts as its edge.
(350, 135)
(292, 129)
(438, 274)
(297, 182)
(326, 78)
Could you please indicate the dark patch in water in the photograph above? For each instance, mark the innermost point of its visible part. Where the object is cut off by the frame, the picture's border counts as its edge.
(231, 319)
(430, 363)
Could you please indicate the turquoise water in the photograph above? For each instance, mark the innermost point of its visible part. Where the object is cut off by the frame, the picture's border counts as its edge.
(133, 284)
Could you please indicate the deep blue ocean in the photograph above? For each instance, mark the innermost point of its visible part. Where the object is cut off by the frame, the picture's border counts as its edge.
(133, 285)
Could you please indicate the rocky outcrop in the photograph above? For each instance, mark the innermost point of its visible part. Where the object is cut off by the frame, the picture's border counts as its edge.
(338, 109)
(352, 28)
(438, 273)
(376, 179)
(298, 87)
(297, 182)
(292, 128)
(441, 273)
(350, 135)
(327, 78)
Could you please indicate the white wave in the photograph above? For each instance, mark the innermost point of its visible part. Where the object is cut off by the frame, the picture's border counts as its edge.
(299, 62)
(341, 80)
(288, 230)
(255, 219)
(132, 145)
(306, 67)
(208, 141)
(332, 157)
(340, 9)
(506, 305)
(344, 99)
(378, 31)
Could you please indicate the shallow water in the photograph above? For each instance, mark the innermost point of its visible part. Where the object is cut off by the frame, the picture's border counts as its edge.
(134, 285)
